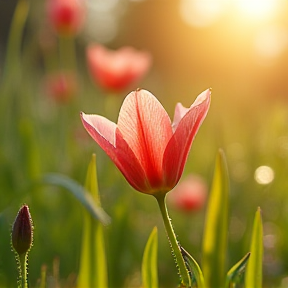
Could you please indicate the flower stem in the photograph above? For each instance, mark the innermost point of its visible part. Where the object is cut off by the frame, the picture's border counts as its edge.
(184, 275)
(11, 71)
(23, 266)
(67, 53)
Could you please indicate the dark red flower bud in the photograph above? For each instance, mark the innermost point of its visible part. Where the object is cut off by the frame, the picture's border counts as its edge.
(22, 231)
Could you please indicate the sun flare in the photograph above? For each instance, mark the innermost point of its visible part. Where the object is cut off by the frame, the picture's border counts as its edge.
(201, 13)
(257, 9)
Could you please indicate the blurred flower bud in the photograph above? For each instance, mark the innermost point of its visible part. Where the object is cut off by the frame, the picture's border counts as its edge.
(66, 16)
(189, 195)
(117, 70)
(22, 231)
(61, 85)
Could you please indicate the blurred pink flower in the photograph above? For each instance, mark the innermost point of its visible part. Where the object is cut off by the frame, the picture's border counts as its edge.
(149, 150)
(189, 195)
(66, 16)
(116, 70)
(61, 85)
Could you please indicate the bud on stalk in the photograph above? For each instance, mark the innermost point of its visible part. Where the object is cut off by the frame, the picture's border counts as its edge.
(22, 238)
(22, 231)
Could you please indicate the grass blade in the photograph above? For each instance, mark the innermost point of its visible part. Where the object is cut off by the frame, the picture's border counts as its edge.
(236, 272)
(149, 263)
(79, 193)
(194, 268)
(93, 267)
(253, 275)
(215, 232)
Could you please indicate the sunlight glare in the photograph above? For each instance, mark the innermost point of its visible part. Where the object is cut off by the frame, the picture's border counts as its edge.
(201, 13)
(257, 9)
(270, 43)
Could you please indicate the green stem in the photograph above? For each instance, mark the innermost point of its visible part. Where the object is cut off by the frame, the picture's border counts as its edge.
(11, 71)
(67, 53)
(185, 279)
(23, 259)
(43, 277)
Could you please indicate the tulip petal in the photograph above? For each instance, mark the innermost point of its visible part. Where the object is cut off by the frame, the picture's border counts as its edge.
(146, 127)
(110, 139)
(177, 150)
(180, 111)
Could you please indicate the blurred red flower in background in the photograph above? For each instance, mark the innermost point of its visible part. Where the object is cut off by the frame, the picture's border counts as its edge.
(66, 16)
(117, 70)
(61, 85)
(149, 150)
(189, 195)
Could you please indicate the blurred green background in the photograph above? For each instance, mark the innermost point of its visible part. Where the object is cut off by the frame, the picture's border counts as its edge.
(239, 48)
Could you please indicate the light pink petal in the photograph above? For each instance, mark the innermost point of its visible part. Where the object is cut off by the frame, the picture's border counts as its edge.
(179, 146)
(180, 111)
(110, 139)
(100, 125)
(146, 127)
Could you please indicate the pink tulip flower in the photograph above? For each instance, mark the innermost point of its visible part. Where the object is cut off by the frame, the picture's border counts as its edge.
(149, 150)
(66, 16)
(116, 70)
(189, 195)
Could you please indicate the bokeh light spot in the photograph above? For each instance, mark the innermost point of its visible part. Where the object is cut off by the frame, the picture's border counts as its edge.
(257, 9)
(102, 20)
(270, 43)
(269, 241)
(201, 13)
(264, 175)
(102, 29)
(106, 5)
